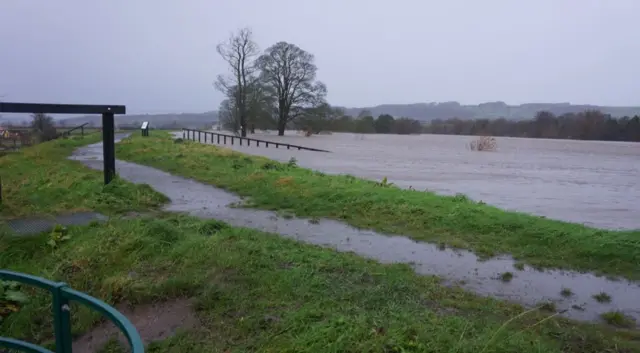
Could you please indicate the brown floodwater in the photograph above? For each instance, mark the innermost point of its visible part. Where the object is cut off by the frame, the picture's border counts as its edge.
(595, 183)
(529, 287)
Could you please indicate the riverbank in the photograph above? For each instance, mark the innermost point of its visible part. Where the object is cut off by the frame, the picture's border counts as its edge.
(450, 221)
(585, 182)
(41, 181)
(254, 291)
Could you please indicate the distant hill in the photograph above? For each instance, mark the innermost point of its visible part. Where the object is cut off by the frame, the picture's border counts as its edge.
(490, 110)
(420, 111)
(188, 120)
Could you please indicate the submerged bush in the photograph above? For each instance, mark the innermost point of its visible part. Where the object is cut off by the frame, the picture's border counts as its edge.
(483, 143)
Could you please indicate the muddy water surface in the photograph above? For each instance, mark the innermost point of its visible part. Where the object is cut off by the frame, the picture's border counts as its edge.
(591, 182)
(528, 287)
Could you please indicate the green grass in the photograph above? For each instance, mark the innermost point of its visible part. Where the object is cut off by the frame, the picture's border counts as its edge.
(602, 297)
(506, 276)
(455, 221)
(548, 306)
(260, 292)
(255, 291)
(40, 180)
(618, 319)
(566, 292)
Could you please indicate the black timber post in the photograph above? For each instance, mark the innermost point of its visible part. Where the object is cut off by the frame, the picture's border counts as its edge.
(108, 147)
(107, 111)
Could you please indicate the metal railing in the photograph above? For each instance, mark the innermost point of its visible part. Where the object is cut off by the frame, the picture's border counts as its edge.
(81, 127)
(62, 295)
(189, 134)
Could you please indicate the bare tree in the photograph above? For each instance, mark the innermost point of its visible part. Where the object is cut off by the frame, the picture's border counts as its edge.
(239, 51)
(290, 74)
(228, 116)
(43, 127)
(261, 107)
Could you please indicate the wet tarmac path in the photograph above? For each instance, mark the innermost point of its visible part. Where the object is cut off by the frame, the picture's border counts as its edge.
(529, 286)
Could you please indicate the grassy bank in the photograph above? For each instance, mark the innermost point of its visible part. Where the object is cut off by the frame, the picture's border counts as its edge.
(254, 291)
(455, 221)
(259, 292)
(40, 180)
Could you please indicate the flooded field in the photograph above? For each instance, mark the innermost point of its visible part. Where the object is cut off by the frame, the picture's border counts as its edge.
(458, 267)
(591, 182)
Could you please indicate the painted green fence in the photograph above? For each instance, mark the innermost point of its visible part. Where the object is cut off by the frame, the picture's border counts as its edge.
(62, 295)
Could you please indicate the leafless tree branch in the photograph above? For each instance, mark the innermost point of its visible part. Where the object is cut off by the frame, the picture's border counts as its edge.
(290, 74)
(239, 52)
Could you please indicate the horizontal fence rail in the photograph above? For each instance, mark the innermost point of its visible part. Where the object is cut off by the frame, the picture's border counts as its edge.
(80, 127)
(62, 295)
(218, 138)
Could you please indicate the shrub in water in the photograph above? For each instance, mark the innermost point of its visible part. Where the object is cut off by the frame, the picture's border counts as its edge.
(483, 143)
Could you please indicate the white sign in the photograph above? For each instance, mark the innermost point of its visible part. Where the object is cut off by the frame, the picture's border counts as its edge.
(144, 125)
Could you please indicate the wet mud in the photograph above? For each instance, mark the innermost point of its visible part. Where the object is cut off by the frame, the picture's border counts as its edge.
(528, 286)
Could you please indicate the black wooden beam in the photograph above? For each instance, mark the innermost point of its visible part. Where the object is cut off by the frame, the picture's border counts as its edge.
(108, 147)
(107, 112)
(6, 107)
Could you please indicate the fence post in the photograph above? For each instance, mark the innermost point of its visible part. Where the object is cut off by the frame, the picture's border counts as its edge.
(61, 320)
(218, 139)
(108, 149)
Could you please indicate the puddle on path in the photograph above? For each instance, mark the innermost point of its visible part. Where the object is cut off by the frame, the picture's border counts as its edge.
(528, 287)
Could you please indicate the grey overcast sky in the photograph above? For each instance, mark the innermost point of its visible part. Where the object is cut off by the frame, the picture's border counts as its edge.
(159, 55)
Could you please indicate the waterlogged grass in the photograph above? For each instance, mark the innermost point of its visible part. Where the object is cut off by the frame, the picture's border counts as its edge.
(40, 180)
(602, 297)
(454, 221)
(259, 292)
(618, 319)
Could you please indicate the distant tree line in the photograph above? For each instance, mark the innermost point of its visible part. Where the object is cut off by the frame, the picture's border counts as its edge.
(327, 118)
(277, 89)
(42, 127)
(588, 125)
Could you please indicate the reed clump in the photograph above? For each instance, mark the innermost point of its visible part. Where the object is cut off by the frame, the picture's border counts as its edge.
(483, 143)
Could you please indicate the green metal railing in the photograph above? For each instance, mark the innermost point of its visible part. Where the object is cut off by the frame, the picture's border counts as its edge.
(62, 295)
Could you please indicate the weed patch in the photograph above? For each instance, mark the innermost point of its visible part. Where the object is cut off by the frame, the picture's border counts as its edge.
(40, 180)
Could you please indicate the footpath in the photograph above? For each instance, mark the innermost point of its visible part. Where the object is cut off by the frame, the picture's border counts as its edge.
(529, 286)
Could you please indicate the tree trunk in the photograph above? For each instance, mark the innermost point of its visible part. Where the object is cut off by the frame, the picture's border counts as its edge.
(243, 122)
(253, 128)
(282, 124)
